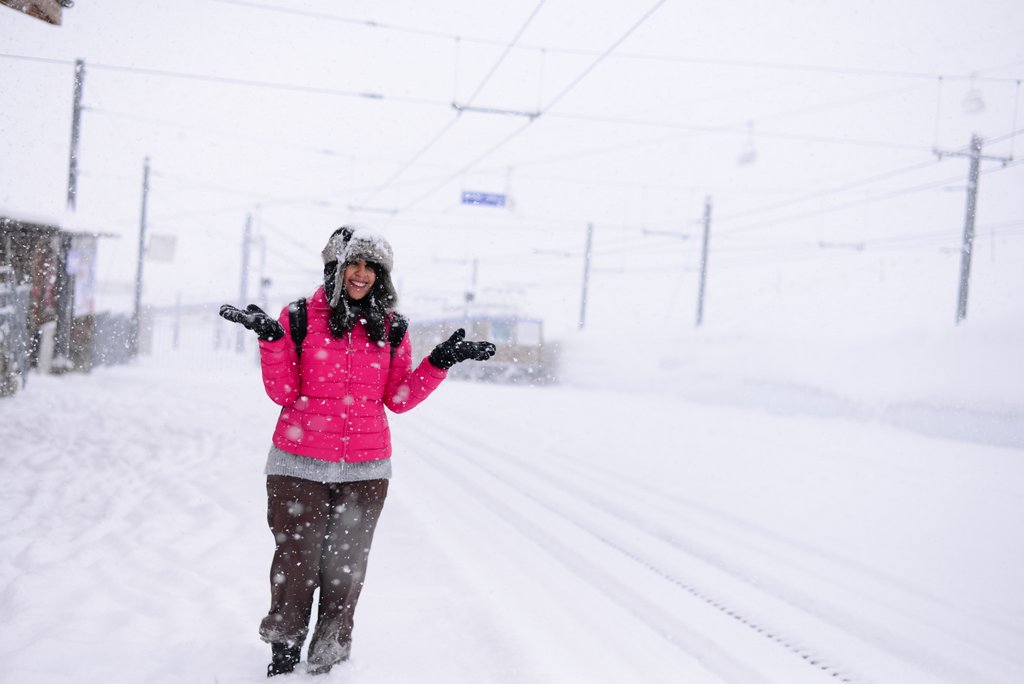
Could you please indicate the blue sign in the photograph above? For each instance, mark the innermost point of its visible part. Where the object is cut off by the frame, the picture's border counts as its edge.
(487, 199)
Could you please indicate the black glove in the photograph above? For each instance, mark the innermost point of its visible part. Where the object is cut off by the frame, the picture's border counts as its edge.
(255, 319)
(456, 349)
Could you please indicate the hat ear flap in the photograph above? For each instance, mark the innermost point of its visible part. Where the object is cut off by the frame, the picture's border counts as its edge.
(389, 295)
(338, 284)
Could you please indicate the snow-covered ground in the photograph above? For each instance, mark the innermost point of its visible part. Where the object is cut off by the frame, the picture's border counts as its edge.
(733, 508)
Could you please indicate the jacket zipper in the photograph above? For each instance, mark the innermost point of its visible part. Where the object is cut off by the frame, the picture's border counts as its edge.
(348, 407)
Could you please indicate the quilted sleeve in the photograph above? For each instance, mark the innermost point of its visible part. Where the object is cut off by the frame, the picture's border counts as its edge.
(279, 363)
(408, 386)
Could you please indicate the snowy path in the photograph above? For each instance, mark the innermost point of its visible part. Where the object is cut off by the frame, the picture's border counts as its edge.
(531, 535)
(756, 590)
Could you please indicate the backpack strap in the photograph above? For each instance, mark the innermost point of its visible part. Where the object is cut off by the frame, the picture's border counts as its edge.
(298, 322)
(399, 325)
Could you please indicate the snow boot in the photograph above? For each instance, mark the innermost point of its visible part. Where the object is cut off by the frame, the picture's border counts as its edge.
(285, 658)
(323, 658)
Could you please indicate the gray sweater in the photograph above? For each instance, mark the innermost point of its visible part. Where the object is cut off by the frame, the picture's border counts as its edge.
(281, 462)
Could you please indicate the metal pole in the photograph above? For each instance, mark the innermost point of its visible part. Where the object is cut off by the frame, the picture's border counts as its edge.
(586, 274)
(703, 261)
(968, 243)
(137, 315)
(243, 293)
(64, 284)
(76, 123)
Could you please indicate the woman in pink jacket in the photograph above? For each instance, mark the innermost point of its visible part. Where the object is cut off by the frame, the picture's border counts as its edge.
(329, 466)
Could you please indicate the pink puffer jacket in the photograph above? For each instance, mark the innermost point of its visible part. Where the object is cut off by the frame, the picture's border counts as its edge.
(333, 401)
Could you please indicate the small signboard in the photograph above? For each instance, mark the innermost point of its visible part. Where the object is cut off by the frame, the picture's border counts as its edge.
(487, 199)
(47, 10)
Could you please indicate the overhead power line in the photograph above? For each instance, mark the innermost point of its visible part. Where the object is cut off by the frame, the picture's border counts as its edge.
(508, 48)
(850, 186)
(244, 82)
(735, 128)
(682, 59)
(830, 191)
(865, 201)
(551, 103)
(562, 94)
(451, 123)
(221, 134)
(255, 83)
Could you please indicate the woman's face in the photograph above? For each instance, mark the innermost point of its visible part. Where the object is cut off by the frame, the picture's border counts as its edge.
(358, 278)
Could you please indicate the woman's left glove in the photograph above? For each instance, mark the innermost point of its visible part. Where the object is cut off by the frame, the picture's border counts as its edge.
(256, 319)
(456, 349)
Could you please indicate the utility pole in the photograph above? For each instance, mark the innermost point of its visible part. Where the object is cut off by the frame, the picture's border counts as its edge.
(968, 241)
(586, 274)
(76, 124)
(967, 247)
(64, 283)
(703, 261)
(137, 314)
(243, 293)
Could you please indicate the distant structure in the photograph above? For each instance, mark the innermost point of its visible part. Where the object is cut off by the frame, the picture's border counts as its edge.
(47, 306)
(521, 358)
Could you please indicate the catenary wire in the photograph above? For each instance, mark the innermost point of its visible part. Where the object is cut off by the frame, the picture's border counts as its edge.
(725, 129)
(66, 62)
(451, 122)
(701, 61)
(551, 103)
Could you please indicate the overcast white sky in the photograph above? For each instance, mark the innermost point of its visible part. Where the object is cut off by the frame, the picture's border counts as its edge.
(627, 115)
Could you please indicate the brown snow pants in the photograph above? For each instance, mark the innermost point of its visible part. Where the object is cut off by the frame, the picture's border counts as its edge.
(323, 532)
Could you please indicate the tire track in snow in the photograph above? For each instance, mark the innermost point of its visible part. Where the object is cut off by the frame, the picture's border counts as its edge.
(890, 645)
(664, 622)
(811, 563)
(972, 626)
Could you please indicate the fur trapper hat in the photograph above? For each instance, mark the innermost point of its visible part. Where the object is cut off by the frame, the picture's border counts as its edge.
(349, 244)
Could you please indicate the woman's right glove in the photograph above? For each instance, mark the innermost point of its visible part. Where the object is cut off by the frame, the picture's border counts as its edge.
(456, 349)
(256, 319)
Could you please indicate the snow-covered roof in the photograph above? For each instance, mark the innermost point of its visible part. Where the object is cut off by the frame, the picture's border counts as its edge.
(69, 223)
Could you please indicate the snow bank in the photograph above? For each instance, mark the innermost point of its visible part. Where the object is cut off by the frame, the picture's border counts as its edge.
(958, 381)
